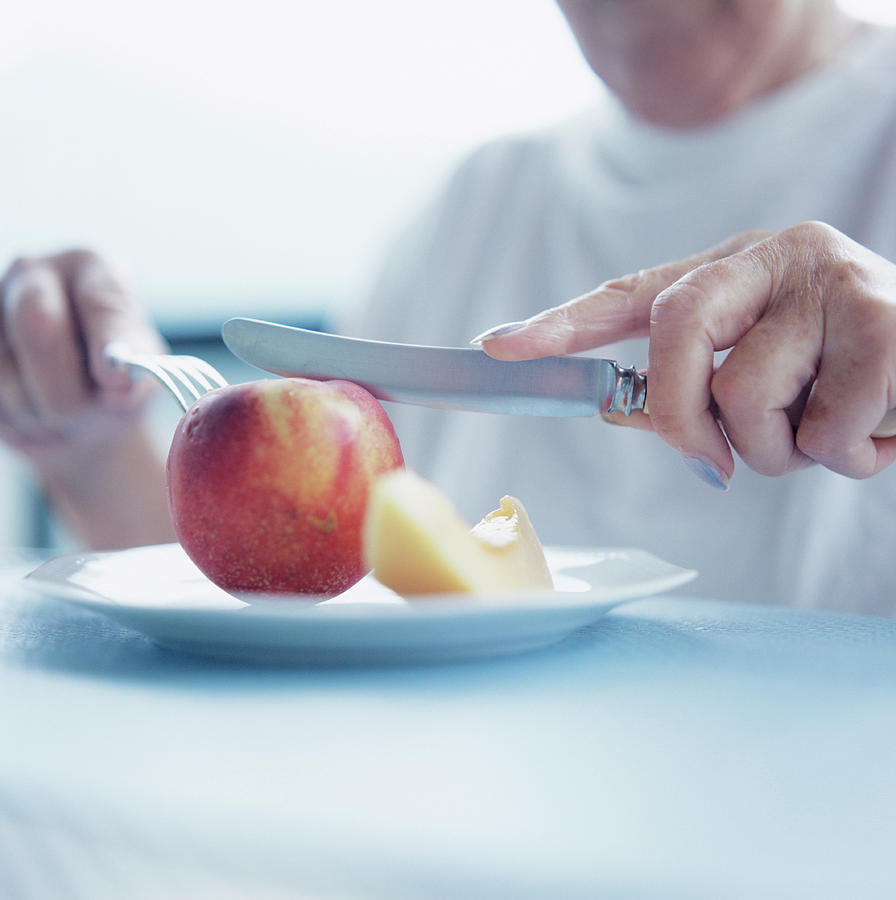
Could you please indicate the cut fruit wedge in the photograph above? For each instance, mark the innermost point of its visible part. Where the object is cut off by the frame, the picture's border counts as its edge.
(416, 542)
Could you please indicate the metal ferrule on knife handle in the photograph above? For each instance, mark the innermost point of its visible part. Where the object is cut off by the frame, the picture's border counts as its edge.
(631, 390)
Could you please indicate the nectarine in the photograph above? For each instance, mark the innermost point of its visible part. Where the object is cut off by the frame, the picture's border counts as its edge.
(268, 483)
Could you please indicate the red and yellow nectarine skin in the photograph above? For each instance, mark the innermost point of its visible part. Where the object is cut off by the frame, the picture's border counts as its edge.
(268, 483)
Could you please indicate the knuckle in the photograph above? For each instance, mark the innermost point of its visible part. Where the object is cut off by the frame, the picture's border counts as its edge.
(83, 257)
(619, 296)
(845, 277)
(680, 304)
(560, 318)
(817, 442)
(96, 284)
(810, 249)
(811, 233)
(91, 274)
(825, 448)
(20, 265)
(624, 284)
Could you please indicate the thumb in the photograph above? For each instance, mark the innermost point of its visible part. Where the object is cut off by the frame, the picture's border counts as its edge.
(614, 311)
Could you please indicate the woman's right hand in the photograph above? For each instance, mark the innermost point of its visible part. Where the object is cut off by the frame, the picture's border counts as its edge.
(58, 399)
(80, 424)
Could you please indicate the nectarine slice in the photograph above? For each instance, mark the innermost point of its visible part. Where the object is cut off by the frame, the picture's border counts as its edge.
(416, 542)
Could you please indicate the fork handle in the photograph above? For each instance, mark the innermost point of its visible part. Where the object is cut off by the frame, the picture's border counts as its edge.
(116, 356)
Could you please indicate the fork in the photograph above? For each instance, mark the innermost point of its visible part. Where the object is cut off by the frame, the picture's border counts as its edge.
(184, 376)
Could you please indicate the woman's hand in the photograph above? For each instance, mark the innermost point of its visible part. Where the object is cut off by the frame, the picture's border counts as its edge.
(809, 319)
(78, 422)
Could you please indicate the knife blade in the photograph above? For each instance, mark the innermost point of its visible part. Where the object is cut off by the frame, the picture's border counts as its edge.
(445, 377)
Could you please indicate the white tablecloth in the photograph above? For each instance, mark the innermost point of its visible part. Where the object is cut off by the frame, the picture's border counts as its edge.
(679, 748)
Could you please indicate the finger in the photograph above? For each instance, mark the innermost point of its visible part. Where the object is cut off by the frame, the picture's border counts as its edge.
(854, 388)
(635, 419)
(765, 379)
(707, 310)
(17, 419)
(616, 310)
(789, 333)
(106, 311)
(16, 414)
(9, 376)
(43, 340)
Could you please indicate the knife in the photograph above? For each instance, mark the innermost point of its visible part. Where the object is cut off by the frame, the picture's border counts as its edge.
(451, 377)
(444, 377)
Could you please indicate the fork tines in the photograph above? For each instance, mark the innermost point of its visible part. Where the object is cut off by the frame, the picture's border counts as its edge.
(184, 376)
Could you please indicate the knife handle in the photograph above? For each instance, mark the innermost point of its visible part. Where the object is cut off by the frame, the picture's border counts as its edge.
(630, 392)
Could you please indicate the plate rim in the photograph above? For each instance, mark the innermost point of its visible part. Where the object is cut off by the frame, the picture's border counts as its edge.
(394, 631)
(277, 607)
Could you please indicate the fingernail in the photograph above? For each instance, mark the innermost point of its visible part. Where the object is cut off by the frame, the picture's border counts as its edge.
(498, 330)
(706, 472)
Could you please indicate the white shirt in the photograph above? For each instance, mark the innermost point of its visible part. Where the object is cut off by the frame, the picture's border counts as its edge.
(530, 222)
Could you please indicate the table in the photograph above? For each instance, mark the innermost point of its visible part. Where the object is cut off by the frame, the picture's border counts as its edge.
(678, 748)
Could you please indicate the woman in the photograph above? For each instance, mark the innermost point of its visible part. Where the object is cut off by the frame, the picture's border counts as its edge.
(729, 116)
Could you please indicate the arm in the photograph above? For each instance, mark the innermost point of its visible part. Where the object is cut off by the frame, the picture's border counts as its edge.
(809, 318)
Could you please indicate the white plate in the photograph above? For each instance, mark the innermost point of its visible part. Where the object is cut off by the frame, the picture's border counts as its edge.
(158, 591)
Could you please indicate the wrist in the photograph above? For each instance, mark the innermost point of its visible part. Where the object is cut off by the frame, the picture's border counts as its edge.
(111, 492)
